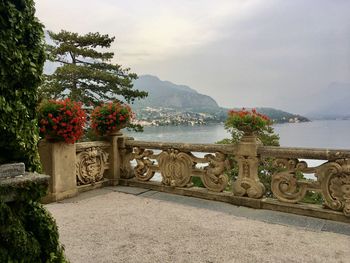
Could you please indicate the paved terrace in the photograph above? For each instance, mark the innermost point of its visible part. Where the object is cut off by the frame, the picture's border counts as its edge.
(126, 224)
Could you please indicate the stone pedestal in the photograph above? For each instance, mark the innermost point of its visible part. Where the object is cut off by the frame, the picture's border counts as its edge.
(247, 182)
(58, 161)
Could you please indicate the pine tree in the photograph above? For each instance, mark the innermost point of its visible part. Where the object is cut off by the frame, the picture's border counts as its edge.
(86, 73)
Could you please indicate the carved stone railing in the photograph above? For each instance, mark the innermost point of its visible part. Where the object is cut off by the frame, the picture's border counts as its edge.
(177, 164)
(122, 160)
(332, 177)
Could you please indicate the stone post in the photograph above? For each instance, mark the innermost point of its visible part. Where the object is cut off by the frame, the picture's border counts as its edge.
(126, 154)
(113, 173)
(58, 161)
(247, 182)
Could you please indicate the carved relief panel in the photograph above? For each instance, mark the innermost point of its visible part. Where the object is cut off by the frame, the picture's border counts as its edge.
(91, 164)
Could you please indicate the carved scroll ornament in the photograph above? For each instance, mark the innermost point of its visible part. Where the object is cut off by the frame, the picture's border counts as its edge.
(335, 183)
(332, 180)
(177, 168)
(284, 184)
(90, 165)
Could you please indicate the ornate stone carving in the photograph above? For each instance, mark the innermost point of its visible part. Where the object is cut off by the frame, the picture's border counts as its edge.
(284, 184)
(90, 165)
(144, 169)
(247, 182)
(126, 170)
(335, 183)
(287, 188)
(340, 191)
(291, 164)
(175, 168)
(214, 178)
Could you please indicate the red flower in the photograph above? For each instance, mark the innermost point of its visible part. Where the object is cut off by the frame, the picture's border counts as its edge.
(68, 123)
(247, 120)
(110, 116)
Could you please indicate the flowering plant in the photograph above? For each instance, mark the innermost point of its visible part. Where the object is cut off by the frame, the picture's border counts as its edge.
(247, 121)
(61, 120)
(110, 117)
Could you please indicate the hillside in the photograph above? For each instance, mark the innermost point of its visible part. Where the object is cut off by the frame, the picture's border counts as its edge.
(279, 116)
(172, 104)
(167, 94)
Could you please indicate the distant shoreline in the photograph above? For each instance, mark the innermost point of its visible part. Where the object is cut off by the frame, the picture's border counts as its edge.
(209, 124)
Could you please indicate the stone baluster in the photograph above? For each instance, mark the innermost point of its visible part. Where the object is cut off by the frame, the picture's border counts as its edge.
(247, 182)
(115, 159)
(127, 155)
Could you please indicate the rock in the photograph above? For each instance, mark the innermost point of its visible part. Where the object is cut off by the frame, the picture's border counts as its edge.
(12, 170)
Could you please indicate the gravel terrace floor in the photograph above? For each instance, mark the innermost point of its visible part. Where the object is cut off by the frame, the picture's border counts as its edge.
(125, 224)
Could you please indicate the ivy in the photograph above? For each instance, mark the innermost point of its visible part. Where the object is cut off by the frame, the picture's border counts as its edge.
(28, 233)
(22, 58)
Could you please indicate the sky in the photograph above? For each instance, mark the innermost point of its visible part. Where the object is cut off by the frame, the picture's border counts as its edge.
(271, 53)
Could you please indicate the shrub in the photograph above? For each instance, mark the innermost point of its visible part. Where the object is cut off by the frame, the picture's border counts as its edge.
(110, 117)
(28, 233)
(246, 121)
(61, 120)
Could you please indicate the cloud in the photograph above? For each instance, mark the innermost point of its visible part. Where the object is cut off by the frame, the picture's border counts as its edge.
(242, 53)
(158, 28)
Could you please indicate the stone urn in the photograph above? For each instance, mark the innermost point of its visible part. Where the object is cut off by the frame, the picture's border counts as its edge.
(116, 132)
(249, 135)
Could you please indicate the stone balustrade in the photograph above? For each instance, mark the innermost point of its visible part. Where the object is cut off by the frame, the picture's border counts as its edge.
(124, 161)
(332, 176)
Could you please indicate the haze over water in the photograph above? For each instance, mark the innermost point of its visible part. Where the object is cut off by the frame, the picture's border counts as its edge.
(316, 134)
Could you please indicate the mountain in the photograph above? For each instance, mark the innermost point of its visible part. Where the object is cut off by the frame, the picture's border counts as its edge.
(169, 103)
(279, 116)
(332, 102)
(167, 94)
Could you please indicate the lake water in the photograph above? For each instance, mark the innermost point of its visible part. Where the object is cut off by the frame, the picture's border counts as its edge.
(331, 134)
(316, 134)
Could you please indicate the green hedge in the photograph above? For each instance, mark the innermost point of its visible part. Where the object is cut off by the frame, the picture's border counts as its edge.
(21, 64)
(28, 233)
